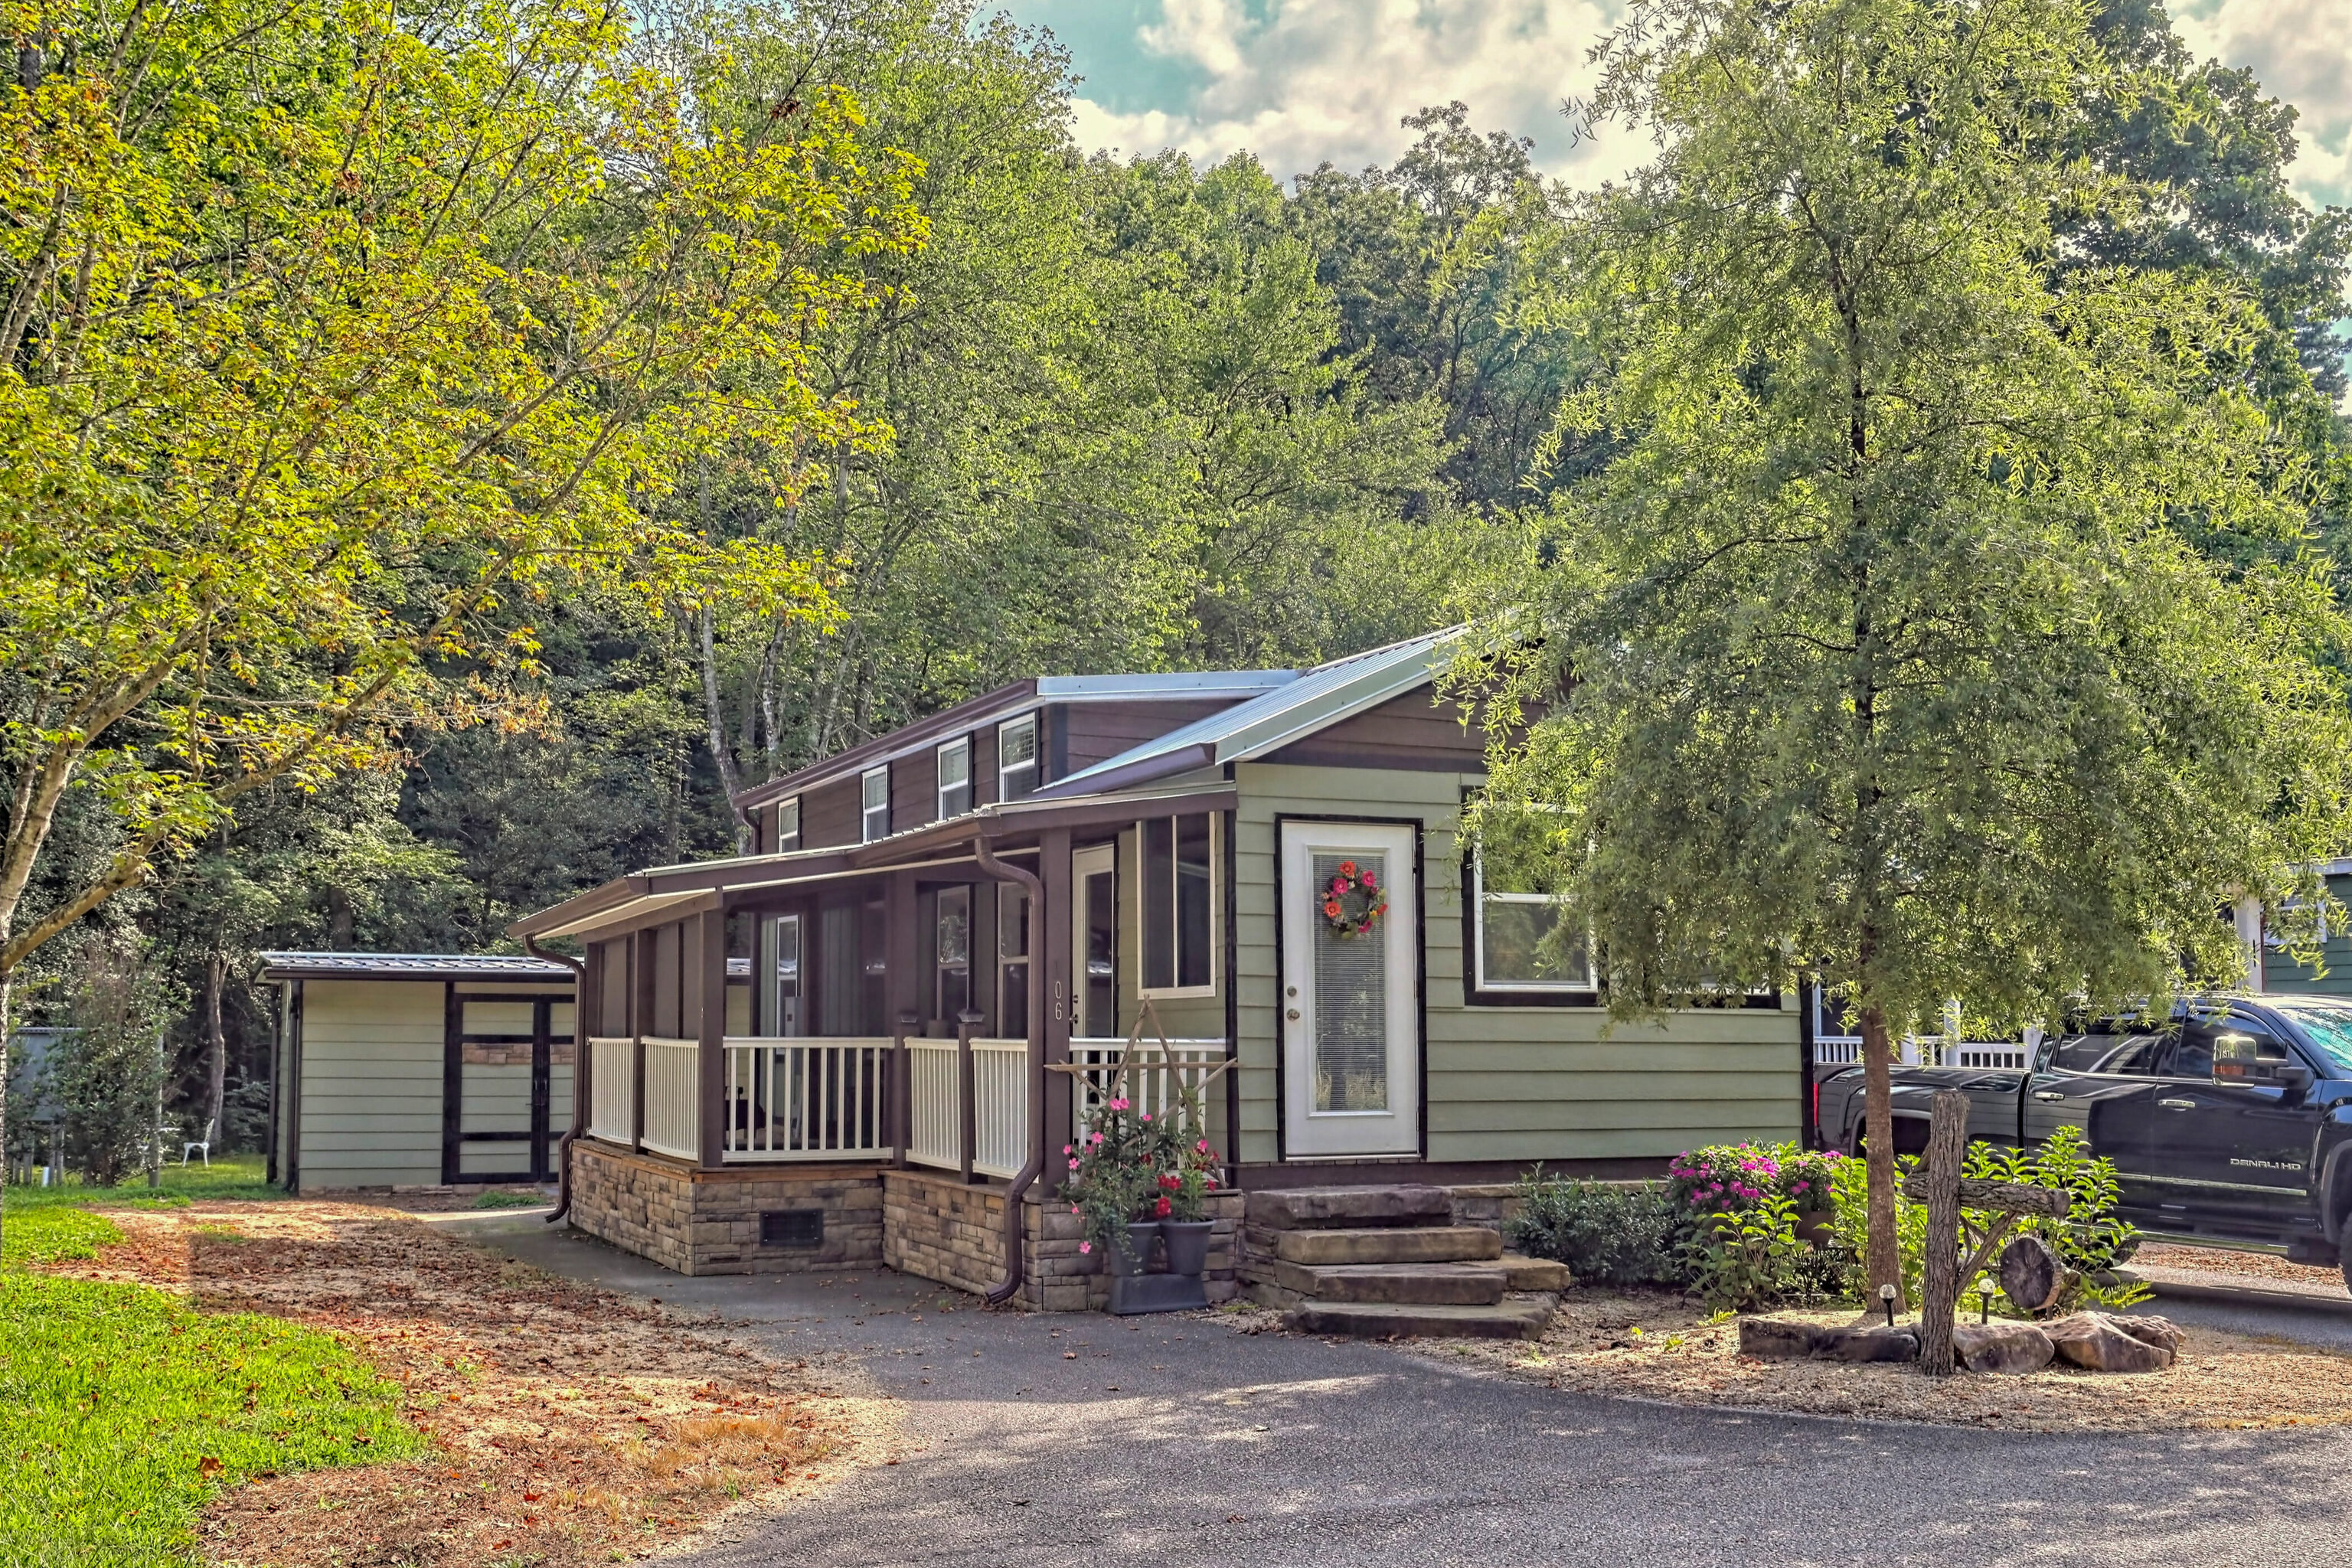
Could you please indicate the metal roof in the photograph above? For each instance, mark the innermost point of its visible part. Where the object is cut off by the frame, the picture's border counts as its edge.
(1011, 702)
(411, 966)
(1319, 697)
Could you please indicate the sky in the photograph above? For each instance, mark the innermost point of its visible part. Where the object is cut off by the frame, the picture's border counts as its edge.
(1301, 82)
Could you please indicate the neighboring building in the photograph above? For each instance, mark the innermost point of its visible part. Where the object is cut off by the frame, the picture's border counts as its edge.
(2282, 973)
(417, 1070)
(1179, 830)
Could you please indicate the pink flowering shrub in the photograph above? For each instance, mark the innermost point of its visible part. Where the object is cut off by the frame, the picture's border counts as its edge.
(1733, 1178)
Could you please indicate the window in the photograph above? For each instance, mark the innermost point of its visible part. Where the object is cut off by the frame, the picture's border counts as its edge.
(1016, 757)
(951, 993)
(788, 826)
(955, 778)
(1179, 896)
(1012, 962)
(873, 787)
(1517, 943)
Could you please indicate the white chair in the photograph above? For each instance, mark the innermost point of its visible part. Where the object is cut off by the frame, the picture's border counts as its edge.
(203, 1146)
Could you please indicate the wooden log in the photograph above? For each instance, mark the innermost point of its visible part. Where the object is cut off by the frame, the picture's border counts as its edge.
(1997, 1197)
(1947, 1149)
(2031, 1275)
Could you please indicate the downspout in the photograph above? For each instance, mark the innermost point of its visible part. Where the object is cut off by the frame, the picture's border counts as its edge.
(579, 1054)
(1003, 1290)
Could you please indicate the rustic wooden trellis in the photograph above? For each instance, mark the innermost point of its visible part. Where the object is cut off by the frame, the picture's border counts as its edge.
(1937, 1182)
(1187, 1077)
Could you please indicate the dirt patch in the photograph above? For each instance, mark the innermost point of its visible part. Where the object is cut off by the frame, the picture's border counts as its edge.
(2234, 1266)
(570, 1424)
(1657, 1346)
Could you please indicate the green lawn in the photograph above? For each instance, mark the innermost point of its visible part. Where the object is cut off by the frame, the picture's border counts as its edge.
(237, 1176)
(123, 1409)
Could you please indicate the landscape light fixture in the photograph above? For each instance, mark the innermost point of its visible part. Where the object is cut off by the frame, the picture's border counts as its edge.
(1985, 1288)
(1887, 1299)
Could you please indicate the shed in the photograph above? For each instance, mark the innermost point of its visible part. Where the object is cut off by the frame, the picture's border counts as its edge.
(417, 1070)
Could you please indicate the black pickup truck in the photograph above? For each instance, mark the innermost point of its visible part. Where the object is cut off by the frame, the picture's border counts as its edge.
(2230, 1121)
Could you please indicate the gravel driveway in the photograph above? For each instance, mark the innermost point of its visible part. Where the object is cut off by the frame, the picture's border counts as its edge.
(1053, 1439)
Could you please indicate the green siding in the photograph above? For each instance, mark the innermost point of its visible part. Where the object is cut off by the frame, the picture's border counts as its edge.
(2282, 973)
(1518, 1084)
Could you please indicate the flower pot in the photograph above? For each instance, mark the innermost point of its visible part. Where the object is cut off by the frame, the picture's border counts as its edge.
(1130, 1251)
(1816, 1227)
(1187, 1244)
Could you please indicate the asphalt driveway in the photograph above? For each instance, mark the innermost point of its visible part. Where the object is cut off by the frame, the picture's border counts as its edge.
(1058, 1439)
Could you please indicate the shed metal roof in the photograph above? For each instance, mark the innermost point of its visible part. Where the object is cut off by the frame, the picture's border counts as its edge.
(1319, 697)
(487, 966)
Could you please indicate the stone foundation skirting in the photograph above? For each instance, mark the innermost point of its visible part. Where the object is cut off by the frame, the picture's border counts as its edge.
(935, 1227)
(744, 1219)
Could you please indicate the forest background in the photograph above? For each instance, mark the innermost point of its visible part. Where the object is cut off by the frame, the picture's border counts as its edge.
(1145, 414)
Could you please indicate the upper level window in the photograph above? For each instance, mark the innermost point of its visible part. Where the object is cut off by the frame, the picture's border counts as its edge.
(1518, 943)
(1180, 909)
(1016, 757)
(955, 777)
(874, 796)
(788, 826)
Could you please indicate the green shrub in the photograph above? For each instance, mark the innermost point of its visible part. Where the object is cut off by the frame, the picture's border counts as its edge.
(1751, 1257)
(1607, 1233)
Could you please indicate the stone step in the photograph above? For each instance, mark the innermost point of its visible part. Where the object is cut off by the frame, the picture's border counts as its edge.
(1515, 1318)
(1424, 1284)
(1308, 1208)
(1424, 1244)
(1535, 1273)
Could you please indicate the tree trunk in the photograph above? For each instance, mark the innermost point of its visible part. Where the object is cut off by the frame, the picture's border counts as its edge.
(714, 719)
(216, 1048)
(1883, 1261)
(1940, 1292)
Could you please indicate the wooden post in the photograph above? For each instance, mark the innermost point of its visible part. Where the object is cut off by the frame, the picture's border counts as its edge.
(967, 1098)
(1948, 1147)
(710, 1032)
(902, 1090)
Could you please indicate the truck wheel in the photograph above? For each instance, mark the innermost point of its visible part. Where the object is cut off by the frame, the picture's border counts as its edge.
(2344, 1256)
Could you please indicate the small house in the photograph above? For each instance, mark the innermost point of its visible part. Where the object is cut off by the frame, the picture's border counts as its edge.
(418, 1070)
(869, 1039)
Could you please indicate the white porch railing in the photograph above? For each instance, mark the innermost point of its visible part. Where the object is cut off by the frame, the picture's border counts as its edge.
(673, 1098)
(935, 1130)
(612, 1089)
(1000, 1107)
(806, 1100)
(2012, 1056)
(1157, 1088)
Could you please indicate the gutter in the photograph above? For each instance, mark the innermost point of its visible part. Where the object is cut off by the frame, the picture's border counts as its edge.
(579, 1051)
(1015, 1231)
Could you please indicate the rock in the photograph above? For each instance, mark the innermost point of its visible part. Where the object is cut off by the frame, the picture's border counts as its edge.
(1878, 1342)
(1352, 1207)
(2091, 1340)
(2031, 1275)
(1779, 1339)
(2149, 1329)
(2001, 1347)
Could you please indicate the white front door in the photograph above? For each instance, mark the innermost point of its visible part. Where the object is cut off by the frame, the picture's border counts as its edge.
(1350, 1001)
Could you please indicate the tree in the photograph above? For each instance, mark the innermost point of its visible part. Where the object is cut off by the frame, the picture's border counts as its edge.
(1882, 647)
(329, 337)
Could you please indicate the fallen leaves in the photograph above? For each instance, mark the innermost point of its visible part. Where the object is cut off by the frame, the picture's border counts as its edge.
(571, 1424)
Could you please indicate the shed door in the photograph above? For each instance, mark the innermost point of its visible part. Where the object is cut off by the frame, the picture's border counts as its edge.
(1350, 1001)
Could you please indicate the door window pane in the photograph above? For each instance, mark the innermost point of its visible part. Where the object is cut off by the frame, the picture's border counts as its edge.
(1012, 961)
(1193, 915)
(1352, 1032)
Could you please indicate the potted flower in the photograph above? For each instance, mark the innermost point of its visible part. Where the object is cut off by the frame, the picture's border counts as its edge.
(1185, 1185)
(1112, 1167)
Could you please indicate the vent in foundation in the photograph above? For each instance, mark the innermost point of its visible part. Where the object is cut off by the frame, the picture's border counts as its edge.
(791, 1227)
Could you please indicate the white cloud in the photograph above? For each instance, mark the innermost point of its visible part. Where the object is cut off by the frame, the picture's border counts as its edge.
(2301, 50)
(1322, 80)
(1310, 80)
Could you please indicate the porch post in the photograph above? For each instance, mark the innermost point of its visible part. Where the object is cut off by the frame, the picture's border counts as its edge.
(901, 991)
(711, 1036)
(967, 1107)
(1050, 931)
(641, 1023)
